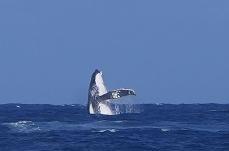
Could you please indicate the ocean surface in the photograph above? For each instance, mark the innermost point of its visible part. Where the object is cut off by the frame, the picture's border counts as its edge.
(146, 127)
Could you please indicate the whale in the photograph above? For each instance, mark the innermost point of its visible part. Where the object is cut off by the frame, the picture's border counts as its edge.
(99, 98)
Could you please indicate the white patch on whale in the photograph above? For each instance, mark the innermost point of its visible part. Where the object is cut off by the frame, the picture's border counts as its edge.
(104, 109)
(100, 84)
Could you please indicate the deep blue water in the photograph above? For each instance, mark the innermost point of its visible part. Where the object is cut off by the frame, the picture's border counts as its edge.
(163, 127)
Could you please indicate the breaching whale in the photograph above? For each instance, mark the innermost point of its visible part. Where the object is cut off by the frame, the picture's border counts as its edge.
(99, 97)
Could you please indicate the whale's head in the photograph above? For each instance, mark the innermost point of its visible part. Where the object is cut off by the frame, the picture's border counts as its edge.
(97, 71)
(97, 82)
(97, 77)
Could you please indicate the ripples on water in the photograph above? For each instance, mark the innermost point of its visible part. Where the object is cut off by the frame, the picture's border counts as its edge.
(135, 127)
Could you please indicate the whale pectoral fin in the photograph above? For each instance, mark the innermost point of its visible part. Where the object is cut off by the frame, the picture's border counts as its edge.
(115, 94)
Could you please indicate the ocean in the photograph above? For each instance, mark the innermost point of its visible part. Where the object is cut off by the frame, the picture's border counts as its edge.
(143, 127)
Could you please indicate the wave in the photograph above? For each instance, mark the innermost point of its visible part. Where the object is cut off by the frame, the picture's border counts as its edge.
(22, 126)
(165, 129)
(108, 126)
(165, 118)
(106, 130)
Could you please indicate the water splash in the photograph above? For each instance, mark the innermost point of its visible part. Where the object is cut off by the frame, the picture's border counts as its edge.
(23, 126)
(126, 108)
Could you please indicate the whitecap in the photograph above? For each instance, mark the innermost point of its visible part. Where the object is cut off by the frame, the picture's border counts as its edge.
(106, 130)
(165, 129)
(22, 126)
(118, 121)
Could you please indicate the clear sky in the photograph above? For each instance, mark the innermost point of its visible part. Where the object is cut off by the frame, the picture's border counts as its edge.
(168, 51)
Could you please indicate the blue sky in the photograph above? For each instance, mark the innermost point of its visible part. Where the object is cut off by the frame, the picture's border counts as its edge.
(168, 51)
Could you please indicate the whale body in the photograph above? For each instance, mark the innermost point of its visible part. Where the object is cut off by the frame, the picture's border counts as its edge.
(99, 98)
